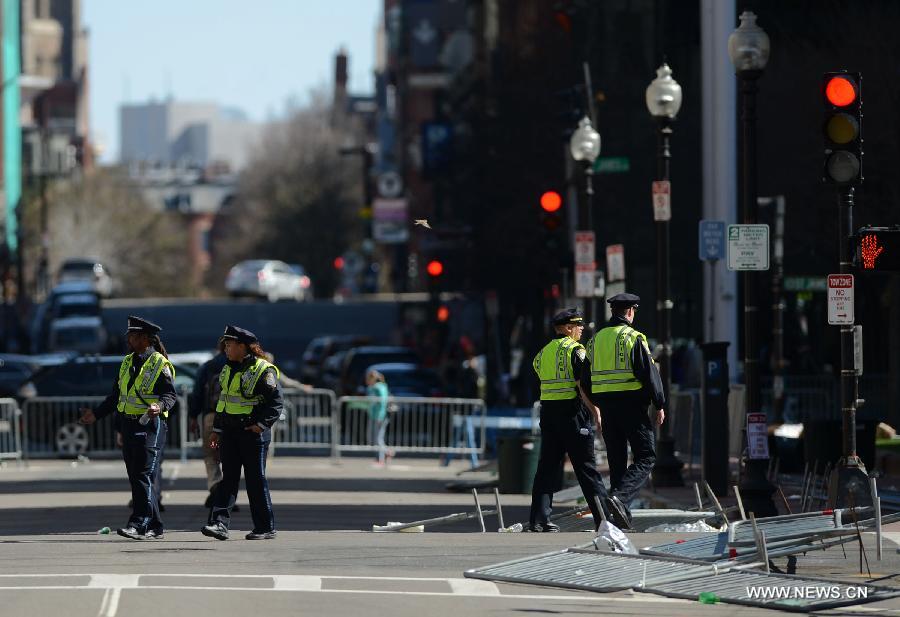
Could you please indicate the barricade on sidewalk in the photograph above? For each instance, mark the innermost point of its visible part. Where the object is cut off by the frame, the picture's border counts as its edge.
(415, 425)
(10, 437)
(307, 420)
(50, 428)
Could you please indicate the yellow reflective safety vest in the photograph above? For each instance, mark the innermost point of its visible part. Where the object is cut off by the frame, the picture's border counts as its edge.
(135, 400)
(553, 365)
(236, 397)
(611, 352)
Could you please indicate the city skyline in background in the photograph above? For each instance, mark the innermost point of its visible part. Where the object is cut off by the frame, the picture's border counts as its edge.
(181, 52)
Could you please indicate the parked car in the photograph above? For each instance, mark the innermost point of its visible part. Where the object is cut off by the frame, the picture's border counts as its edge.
(191, 360)
(16, 369)
(305, 281)
(81, 334)
(269, 279)
(330, 375)
(75, 305)
(358, 359)
(47, 310)
(90, 270)
(407, 379)
(321, 348)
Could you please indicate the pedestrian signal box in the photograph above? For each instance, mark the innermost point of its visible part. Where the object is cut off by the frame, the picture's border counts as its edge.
(842, 127)
(878, 249)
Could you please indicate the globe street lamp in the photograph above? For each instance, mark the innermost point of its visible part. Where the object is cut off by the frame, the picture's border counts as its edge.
(748, 47)
(663, 102)
(585, 147)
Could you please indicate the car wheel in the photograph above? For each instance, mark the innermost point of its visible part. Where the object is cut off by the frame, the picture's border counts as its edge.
(71, 439)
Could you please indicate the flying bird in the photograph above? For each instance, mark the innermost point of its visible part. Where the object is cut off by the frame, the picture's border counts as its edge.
(423, 223)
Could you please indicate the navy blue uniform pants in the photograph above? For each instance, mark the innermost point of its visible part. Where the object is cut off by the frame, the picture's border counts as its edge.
(626, 423)
(142, 448)
(242, 448)
(561, 434)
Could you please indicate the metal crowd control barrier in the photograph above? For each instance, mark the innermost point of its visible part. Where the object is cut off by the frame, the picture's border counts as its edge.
(50, 428)
(10, 427)
(307, 420)
(417, 425)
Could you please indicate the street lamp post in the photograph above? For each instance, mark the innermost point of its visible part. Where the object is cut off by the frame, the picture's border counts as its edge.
(663, 102)
(585, 147)
(748, 47)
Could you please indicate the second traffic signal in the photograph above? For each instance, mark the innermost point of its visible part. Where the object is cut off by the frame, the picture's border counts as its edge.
(842, 127)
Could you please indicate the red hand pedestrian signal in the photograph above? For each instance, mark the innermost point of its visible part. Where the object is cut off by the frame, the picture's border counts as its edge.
(870, 250)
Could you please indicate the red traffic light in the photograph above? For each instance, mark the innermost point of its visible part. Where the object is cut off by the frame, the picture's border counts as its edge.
(443, 314)
(551, 201)
(840, 91)
(435, 268)
(338, 263)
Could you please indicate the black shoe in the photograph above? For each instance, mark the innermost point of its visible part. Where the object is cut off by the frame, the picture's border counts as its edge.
(216, 530)
(131, 533)
(543, 528)
(261, 535)
(619, 514)
(155, 534)
(235, 508)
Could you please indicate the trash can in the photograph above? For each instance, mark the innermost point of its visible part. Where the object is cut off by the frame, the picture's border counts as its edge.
(517, 461)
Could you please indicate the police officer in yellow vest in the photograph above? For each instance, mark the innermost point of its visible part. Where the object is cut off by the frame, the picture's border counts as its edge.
(143, 395)
(623, 382)
(567, 423)
(249, 404)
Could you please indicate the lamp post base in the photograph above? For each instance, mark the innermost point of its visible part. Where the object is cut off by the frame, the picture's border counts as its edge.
(849, 486)
(667, 468)
(756, 490)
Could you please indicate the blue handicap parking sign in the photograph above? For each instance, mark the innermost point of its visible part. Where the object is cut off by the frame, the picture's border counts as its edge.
(712, 240)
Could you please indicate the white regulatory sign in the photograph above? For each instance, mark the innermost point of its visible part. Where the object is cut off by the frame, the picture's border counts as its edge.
(748, 247)
(584, 248)
(662, 200)
(585, 275)
(615, 262)
(840, 300)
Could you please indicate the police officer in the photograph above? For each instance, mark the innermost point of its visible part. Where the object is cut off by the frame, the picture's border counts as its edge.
(249, 404)
(623, 381)
(567, 424)
(143, 394)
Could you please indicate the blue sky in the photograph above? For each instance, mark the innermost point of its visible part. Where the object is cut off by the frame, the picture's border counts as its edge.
(252, 56)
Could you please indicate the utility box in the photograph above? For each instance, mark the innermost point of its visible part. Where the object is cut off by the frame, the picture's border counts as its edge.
(714, 417)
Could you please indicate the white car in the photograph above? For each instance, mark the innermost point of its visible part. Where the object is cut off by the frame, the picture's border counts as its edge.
(266, 278)
(89, 270)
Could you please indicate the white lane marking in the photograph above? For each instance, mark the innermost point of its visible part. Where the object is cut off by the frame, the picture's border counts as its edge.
(110, 605)
(587, 597)
(298, 582)
(110, 580)
(176, 469)
(473, 587)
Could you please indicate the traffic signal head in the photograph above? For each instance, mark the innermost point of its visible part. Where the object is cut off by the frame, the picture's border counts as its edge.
(434, 268)
(878, 249)
(842, 128)
(551, 201)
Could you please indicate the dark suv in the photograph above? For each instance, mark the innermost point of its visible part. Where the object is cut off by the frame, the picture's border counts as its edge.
(320, 349)
(359, 359)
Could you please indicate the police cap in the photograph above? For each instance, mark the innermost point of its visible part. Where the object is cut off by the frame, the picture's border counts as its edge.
(240, 335)
(137, 324)
(624, 300)
(568, 316)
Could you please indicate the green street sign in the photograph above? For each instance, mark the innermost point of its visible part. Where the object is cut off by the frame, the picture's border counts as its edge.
(805, 283)
(612, 165)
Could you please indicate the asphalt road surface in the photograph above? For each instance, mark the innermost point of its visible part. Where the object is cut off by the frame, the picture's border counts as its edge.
(53, 561)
